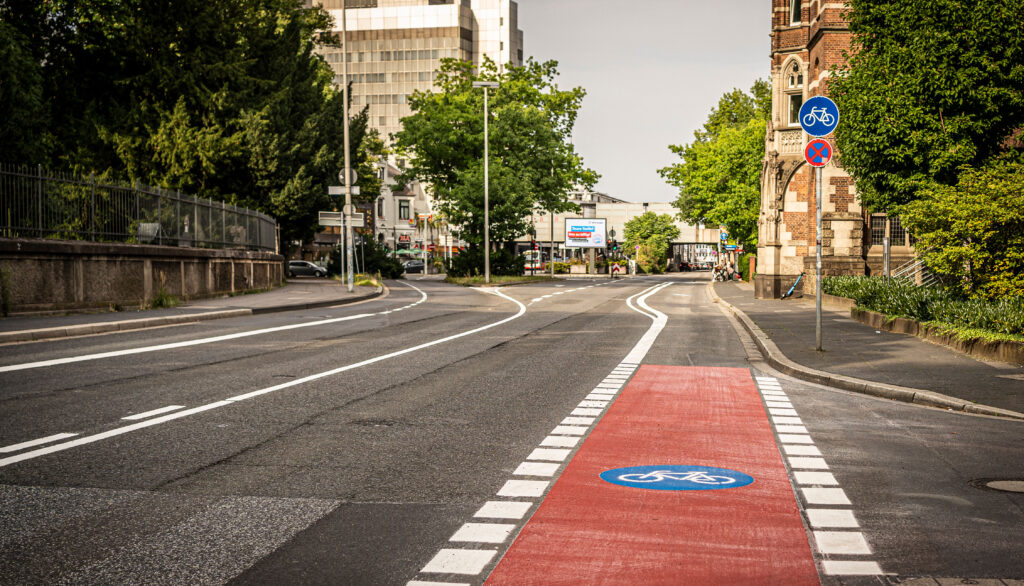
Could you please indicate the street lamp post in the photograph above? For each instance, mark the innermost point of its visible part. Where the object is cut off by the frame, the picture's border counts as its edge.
(487, 213)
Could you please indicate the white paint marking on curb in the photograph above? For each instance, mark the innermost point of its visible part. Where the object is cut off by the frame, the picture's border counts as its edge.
(812, 478)
(549, 454)
(782, 419)
(36, 442)
(560, 441)
(578, 421)
(569, 430)
(792, 450)
(598, 404)
(825, 496)
(808, 463)
(794, 438)
(148, 414)
(586, 412)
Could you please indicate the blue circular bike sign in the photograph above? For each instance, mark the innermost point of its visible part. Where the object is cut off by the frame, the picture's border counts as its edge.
(673, 477)
(819, 116)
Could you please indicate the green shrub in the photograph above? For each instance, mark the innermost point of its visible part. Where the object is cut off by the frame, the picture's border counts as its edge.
(901, 298)
(470, 263)
(744, 265)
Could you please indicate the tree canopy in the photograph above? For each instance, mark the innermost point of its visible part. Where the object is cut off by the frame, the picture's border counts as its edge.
(532, 162)
(719, 178)
(649, 235)
(225, 99)
(931, 85)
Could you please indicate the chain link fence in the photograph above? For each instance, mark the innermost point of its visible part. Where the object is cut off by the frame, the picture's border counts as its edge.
(39, 203)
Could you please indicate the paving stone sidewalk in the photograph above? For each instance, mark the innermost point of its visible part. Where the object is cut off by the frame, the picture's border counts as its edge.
(857, 350)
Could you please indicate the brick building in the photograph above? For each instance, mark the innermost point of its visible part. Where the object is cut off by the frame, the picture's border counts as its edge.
(808, 39)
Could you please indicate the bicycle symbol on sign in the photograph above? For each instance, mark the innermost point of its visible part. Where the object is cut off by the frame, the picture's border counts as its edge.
(695, 476)
(819, 115)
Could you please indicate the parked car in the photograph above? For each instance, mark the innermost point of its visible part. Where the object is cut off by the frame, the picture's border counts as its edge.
(413, 266)
(301, 268)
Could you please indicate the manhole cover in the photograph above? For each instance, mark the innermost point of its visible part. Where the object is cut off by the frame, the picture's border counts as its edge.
(1000, 484)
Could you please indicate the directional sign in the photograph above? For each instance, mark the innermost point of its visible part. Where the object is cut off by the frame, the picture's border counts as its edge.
(675, 477)
(819, 116)
(340, 190)
(818, 152)
(338, 219)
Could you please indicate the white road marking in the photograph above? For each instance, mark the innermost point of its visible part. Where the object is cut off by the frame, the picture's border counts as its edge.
(792, 450)
(422, 583)
(198, 342)
(780, 411)
(795, 438)
(483, 532)
(811, 478)
(460, 561)
(825, 496)
(593, 403)
(180, 414)
(841, 542)
(148, 414)
(578, 421)
(503, 510)
(569, 430)
(524, 488)
(787, 420)
(808, 463)
(850, 568)
(36, 442)
(790, 429)
(832, 518)
(587, 412)
(599, 397)
(560, 441)
(536, 469)
(549, 454)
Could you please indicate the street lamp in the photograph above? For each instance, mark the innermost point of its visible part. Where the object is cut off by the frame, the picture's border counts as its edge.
(487, 214)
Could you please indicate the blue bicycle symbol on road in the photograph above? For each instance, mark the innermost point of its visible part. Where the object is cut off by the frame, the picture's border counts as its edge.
(674, 477)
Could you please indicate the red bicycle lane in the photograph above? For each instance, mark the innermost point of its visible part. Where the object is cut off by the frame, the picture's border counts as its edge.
(591, 531)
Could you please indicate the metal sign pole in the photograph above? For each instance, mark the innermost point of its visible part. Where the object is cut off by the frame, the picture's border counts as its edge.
(348, 165)
(817, 294)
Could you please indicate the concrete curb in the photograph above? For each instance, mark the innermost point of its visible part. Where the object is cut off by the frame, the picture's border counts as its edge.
(156, 322)
(778, 360)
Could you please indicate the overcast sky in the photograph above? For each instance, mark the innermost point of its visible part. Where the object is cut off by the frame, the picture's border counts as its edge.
(653, 69)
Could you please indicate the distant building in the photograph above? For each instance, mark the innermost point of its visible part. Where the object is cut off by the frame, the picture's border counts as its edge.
(808, 39)
(695, 243)
(396, 47)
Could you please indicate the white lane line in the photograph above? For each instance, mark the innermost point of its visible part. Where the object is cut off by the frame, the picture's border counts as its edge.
(524, 488)
(460, 561)
(180, 414)
(36, 442)
(787, 420)
(599, 397)
(781, 411)
(198, 342)
(483, 533)
(832, 518)
(842, 542)
(536, 469)
(578, 421)
(587, 412)
(593, 403)
(503, 510)
(148, 414)
(790, 429)
(793, 438)
(660, 320)
(850, 568)
(799, 450)
(569, 430)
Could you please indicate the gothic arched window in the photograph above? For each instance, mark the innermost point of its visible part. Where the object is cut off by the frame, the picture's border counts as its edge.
(794, 91)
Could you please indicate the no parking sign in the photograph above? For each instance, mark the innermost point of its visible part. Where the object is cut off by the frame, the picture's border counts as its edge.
(818, 152)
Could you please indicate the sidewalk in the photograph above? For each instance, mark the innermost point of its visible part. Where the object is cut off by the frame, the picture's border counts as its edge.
(296, 294)
(852, 350)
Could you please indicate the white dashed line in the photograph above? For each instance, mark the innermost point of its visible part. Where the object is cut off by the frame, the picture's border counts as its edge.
(36, 442)
(833, 528)
(503, 510)
(524, 488)
(483, 532)
(536, 469)
(460, 561)
(148, 414)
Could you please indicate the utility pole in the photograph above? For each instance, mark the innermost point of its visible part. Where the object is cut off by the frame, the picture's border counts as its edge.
(347, 179)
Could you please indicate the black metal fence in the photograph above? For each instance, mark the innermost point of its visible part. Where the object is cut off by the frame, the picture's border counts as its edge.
(38, 203)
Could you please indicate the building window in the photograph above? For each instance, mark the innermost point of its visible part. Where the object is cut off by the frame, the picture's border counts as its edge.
(380, 208)
(794, 11)
(795, 77)
(898, 235)
(403, 209)
(877, 230)
(795, 102)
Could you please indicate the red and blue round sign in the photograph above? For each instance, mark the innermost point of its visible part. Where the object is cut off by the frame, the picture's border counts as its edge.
(818, 152)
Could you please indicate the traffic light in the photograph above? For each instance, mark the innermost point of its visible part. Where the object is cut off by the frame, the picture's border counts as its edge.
(533, 245)
(615, 246)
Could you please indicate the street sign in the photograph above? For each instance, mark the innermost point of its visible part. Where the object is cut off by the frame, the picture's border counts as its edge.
(338, 219)
(819, 116)
(341, 176)
(675, 477)
(724, 236)
(818, 152)
(731, 247)
(340, 190)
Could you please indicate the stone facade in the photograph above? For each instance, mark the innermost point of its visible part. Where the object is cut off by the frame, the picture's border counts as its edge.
(808, 39)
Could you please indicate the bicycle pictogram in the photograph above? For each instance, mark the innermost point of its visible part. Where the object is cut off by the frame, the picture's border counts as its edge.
(817, 115)
(692, 476)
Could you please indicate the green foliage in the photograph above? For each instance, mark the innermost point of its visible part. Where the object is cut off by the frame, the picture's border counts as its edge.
(652, 233)
(974, 231)
(719, 178)
(901, 298)
(932, 85)
(378, 260)
(225, 99)
(163, 300)
(744, 266)
(470, 262)
(532, 161)
(22, 109)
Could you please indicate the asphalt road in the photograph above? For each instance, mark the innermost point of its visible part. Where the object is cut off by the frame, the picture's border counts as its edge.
(349, 445)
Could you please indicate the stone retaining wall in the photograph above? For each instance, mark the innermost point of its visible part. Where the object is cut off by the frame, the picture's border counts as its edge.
(54, 275)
